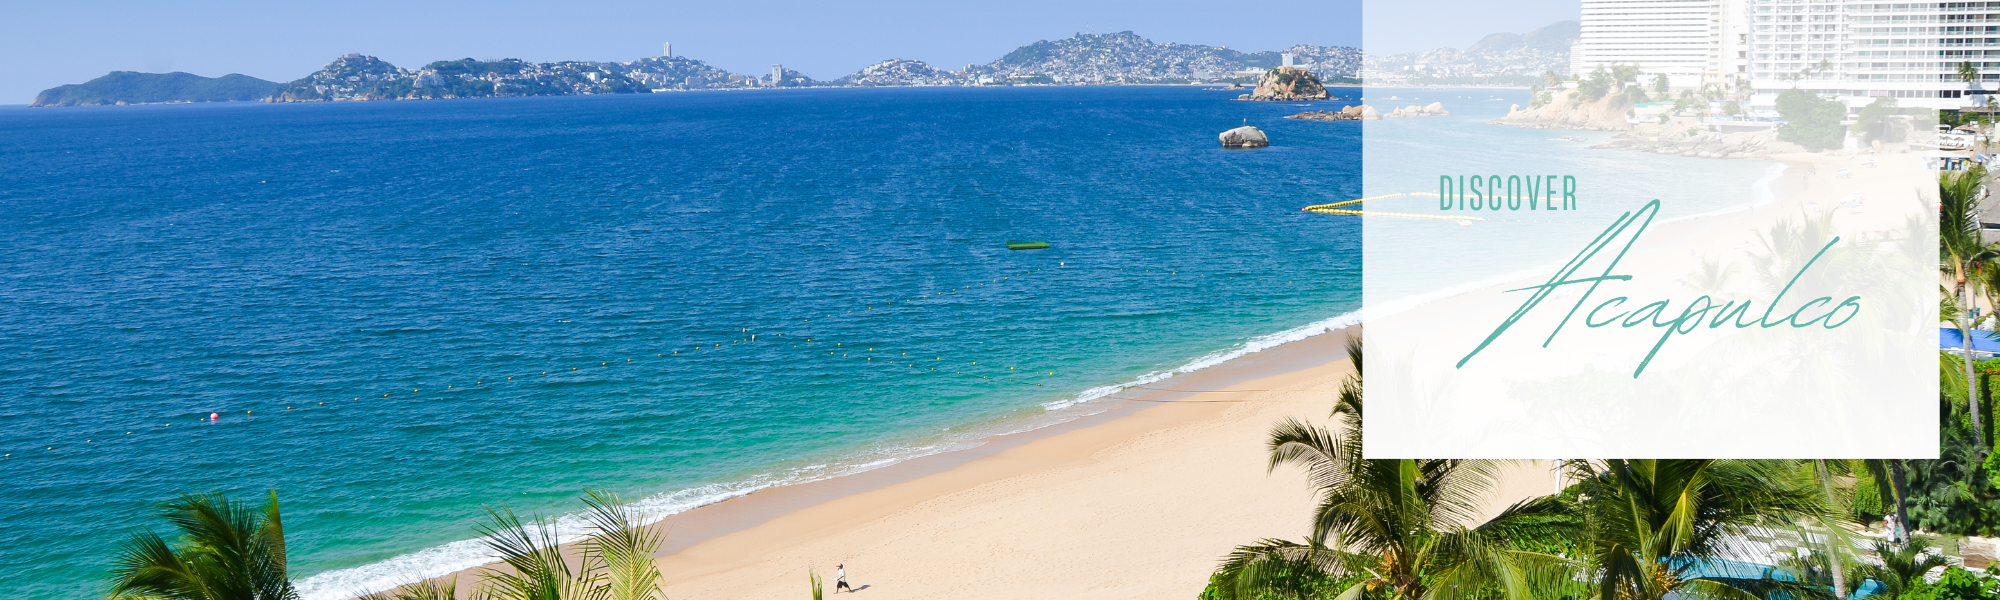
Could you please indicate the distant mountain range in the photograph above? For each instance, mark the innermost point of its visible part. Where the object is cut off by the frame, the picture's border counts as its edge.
(1497, 59)
(1121, 58)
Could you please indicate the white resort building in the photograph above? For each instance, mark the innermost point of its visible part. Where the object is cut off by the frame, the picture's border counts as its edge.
(1851, 50)
(1681, 39)
(1859, 51)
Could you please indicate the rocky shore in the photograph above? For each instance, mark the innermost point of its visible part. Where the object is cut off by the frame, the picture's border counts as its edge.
(1358, 112)
(1693, 142)
(1602, 114)
(1434, 109)
(1683, 136)
(1363, 112)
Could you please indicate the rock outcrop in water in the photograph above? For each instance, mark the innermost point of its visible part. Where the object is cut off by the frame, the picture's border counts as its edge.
(1358, 112)
(1434, 109)
(1245, 137)
(1287, 84)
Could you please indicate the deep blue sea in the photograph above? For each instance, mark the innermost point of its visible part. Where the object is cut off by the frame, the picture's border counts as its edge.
(402, 312)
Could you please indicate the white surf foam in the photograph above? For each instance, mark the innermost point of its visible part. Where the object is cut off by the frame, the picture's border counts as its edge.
(1253, 346)
(472, 553)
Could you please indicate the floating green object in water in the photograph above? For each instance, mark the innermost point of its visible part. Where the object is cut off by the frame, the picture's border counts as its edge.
(1027, 245)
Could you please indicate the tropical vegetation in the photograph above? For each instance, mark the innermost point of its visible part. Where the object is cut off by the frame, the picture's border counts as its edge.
(1625, 529)
(228, 550)
(1810, 120)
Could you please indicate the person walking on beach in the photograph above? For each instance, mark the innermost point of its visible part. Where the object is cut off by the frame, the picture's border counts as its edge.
(840, 579)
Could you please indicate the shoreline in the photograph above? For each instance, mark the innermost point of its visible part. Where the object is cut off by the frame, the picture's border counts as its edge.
(1318, 344)
(1207, 380)
(1312, 366)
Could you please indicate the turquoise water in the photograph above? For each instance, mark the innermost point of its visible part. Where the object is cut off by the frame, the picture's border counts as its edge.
(399, 261)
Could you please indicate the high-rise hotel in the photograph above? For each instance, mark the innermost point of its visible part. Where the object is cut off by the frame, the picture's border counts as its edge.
(1851, 50)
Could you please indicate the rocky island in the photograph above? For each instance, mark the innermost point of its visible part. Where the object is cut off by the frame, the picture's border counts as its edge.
(1287, 84)
(1245, 137)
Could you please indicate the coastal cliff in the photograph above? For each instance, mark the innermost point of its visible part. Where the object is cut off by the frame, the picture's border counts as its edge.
(1567, 109)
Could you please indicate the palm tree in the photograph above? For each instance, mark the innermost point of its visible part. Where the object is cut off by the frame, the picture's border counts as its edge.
(1906, 565)
(1406, 529)
(1968, 73)
(535, 568)
(1962, 244)
(443, 588)
(1822, 472)
(1891, 482)
(1655, 523)
(617, 558)
(622, 548)
(1809, 575)
(226, 550)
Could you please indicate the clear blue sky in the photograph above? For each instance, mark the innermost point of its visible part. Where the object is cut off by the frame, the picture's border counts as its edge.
(53, 43)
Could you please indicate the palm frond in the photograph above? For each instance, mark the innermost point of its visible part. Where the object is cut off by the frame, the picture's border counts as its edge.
(535, 567)
(224, 549)
(623, 548)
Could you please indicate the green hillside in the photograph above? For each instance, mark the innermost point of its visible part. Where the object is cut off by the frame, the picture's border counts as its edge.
(130, 87)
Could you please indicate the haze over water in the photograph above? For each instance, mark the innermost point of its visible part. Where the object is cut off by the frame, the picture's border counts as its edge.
(168, 262)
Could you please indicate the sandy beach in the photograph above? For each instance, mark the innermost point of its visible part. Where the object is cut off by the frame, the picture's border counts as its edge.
(1143, 503)
(1139, 501)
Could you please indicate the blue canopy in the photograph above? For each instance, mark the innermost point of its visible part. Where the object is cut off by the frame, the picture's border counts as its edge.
(1982, 340)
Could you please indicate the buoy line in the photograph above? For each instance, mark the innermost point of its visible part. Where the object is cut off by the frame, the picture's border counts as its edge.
(959, 369)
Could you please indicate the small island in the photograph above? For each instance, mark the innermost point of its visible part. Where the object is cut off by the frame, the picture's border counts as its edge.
(1287, 84)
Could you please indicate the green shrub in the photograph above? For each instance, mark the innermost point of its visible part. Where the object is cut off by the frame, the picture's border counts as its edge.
(1810, 120)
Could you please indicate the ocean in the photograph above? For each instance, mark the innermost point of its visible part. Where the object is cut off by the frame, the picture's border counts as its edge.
(401, 313)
